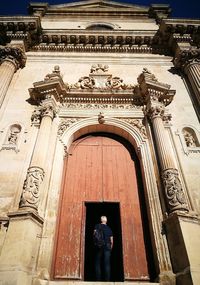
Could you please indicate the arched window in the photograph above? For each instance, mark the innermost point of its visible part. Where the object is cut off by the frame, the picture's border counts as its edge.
(100, 26)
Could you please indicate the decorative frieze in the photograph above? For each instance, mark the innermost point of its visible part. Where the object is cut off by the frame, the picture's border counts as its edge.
(102, 105)
(31, 188)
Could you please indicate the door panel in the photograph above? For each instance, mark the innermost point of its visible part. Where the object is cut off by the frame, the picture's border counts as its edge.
(99, 169)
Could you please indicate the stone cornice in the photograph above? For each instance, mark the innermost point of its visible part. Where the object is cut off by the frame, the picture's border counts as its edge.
(172, 31)
(153, 90)
(27, 28)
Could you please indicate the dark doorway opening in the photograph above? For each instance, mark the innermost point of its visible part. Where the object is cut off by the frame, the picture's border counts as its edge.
(93, 213)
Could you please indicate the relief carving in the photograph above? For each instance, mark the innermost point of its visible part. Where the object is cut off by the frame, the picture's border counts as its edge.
(99, 79)
(155, 111)
(31, 194)
(64, 125)
(189, 139)
(100, 106)
(138, 123)
(15, 54)
(99, 68)
(101, 118)
(173, 190)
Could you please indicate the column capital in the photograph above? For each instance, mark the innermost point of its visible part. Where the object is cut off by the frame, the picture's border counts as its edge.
(47, 108)
(186, 57)
(13, 54)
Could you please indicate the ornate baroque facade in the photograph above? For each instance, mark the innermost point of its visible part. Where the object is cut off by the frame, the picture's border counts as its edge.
(98, 67)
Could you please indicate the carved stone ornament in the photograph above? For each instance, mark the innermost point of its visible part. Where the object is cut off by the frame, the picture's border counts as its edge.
(155, 111)
(31, 189)
(173, 190)
(187, 56)
(189, 139)
(36, 116)
(101, 105)
(99, 68)
(100, 79)
(55, 74)
(101, 118)
(138, 123)
(64, 125)
(15, 54)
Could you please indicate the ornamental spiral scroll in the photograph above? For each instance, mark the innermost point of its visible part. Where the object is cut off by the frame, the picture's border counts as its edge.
(173, 189)
(31, 189)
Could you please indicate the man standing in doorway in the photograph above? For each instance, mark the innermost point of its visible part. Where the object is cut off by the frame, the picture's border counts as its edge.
(103, 252)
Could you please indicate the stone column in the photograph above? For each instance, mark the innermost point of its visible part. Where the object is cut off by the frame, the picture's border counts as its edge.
(11, 59)
(189, 62)
(31, 190)
(156, 96)
(174, 193)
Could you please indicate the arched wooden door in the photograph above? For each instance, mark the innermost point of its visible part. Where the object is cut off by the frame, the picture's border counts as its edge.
(99, 168)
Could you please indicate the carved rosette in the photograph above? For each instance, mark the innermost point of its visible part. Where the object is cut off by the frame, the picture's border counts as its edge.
(173, 190)
(31, 189)
(15, 54)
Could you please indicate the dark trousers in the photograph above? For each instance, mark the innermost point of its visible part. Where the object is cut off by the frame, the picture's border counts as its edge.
(102, 264)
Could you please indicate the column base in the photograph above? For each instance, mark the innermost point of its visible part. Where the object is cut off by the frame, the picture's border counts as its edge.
(183, 236)
(20, 249)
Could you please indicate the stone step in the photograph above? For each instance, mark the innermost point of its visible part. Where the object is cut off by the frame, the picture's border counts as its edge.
(94, 282)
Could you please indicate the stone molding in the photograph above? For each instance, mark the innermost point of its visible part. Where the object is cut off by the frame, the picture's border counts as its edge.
(23, 214)
(13, 54)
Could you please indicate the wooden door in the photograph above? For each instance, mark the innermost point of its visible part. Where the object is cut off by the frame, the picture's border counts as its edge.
(99, 169)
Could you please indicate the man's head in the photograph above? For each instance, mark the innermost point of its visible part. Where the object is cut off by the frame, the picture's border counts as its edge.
(104, 219)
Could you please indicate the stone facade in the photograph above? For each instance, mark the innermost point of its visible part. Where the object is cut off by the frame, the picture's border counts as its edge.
(98, 66)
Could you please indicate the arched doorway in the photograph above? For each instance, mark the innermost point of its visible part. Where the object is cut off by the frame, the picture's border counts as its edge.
(102, 168)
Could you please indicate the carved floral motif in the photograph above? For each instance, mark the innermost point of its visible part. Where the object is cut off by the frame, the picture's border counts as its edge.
(173, 190)
(15, 54)
(100, 106)
(138, 124)
(42, 111)
(155, 111)
(64, 125)
(187, 56)
(97, 68)
(31, 194)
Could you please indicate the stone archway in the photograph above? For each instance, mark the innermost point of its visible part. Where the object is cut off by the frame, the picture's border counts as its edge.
(140, 143)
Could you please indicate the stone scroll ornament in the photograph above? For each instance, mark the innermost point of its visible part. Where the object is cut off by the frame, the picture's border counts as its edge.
(30, 194)
(173, 190)
(15, 54)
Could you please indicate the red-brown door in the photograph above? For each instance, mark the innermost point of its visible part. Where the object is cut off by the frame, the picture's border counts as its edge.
(99, 169)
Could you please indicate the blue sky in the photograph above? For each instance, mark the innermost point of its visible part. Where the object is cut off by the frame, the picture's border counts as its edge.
(180, 8)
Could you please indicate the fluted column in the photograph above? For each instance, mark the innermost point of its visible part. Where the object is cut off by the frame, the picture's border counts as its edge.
(156, 96)
(11, 58)
(174, 193)
(189, 62)
(32, 185)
